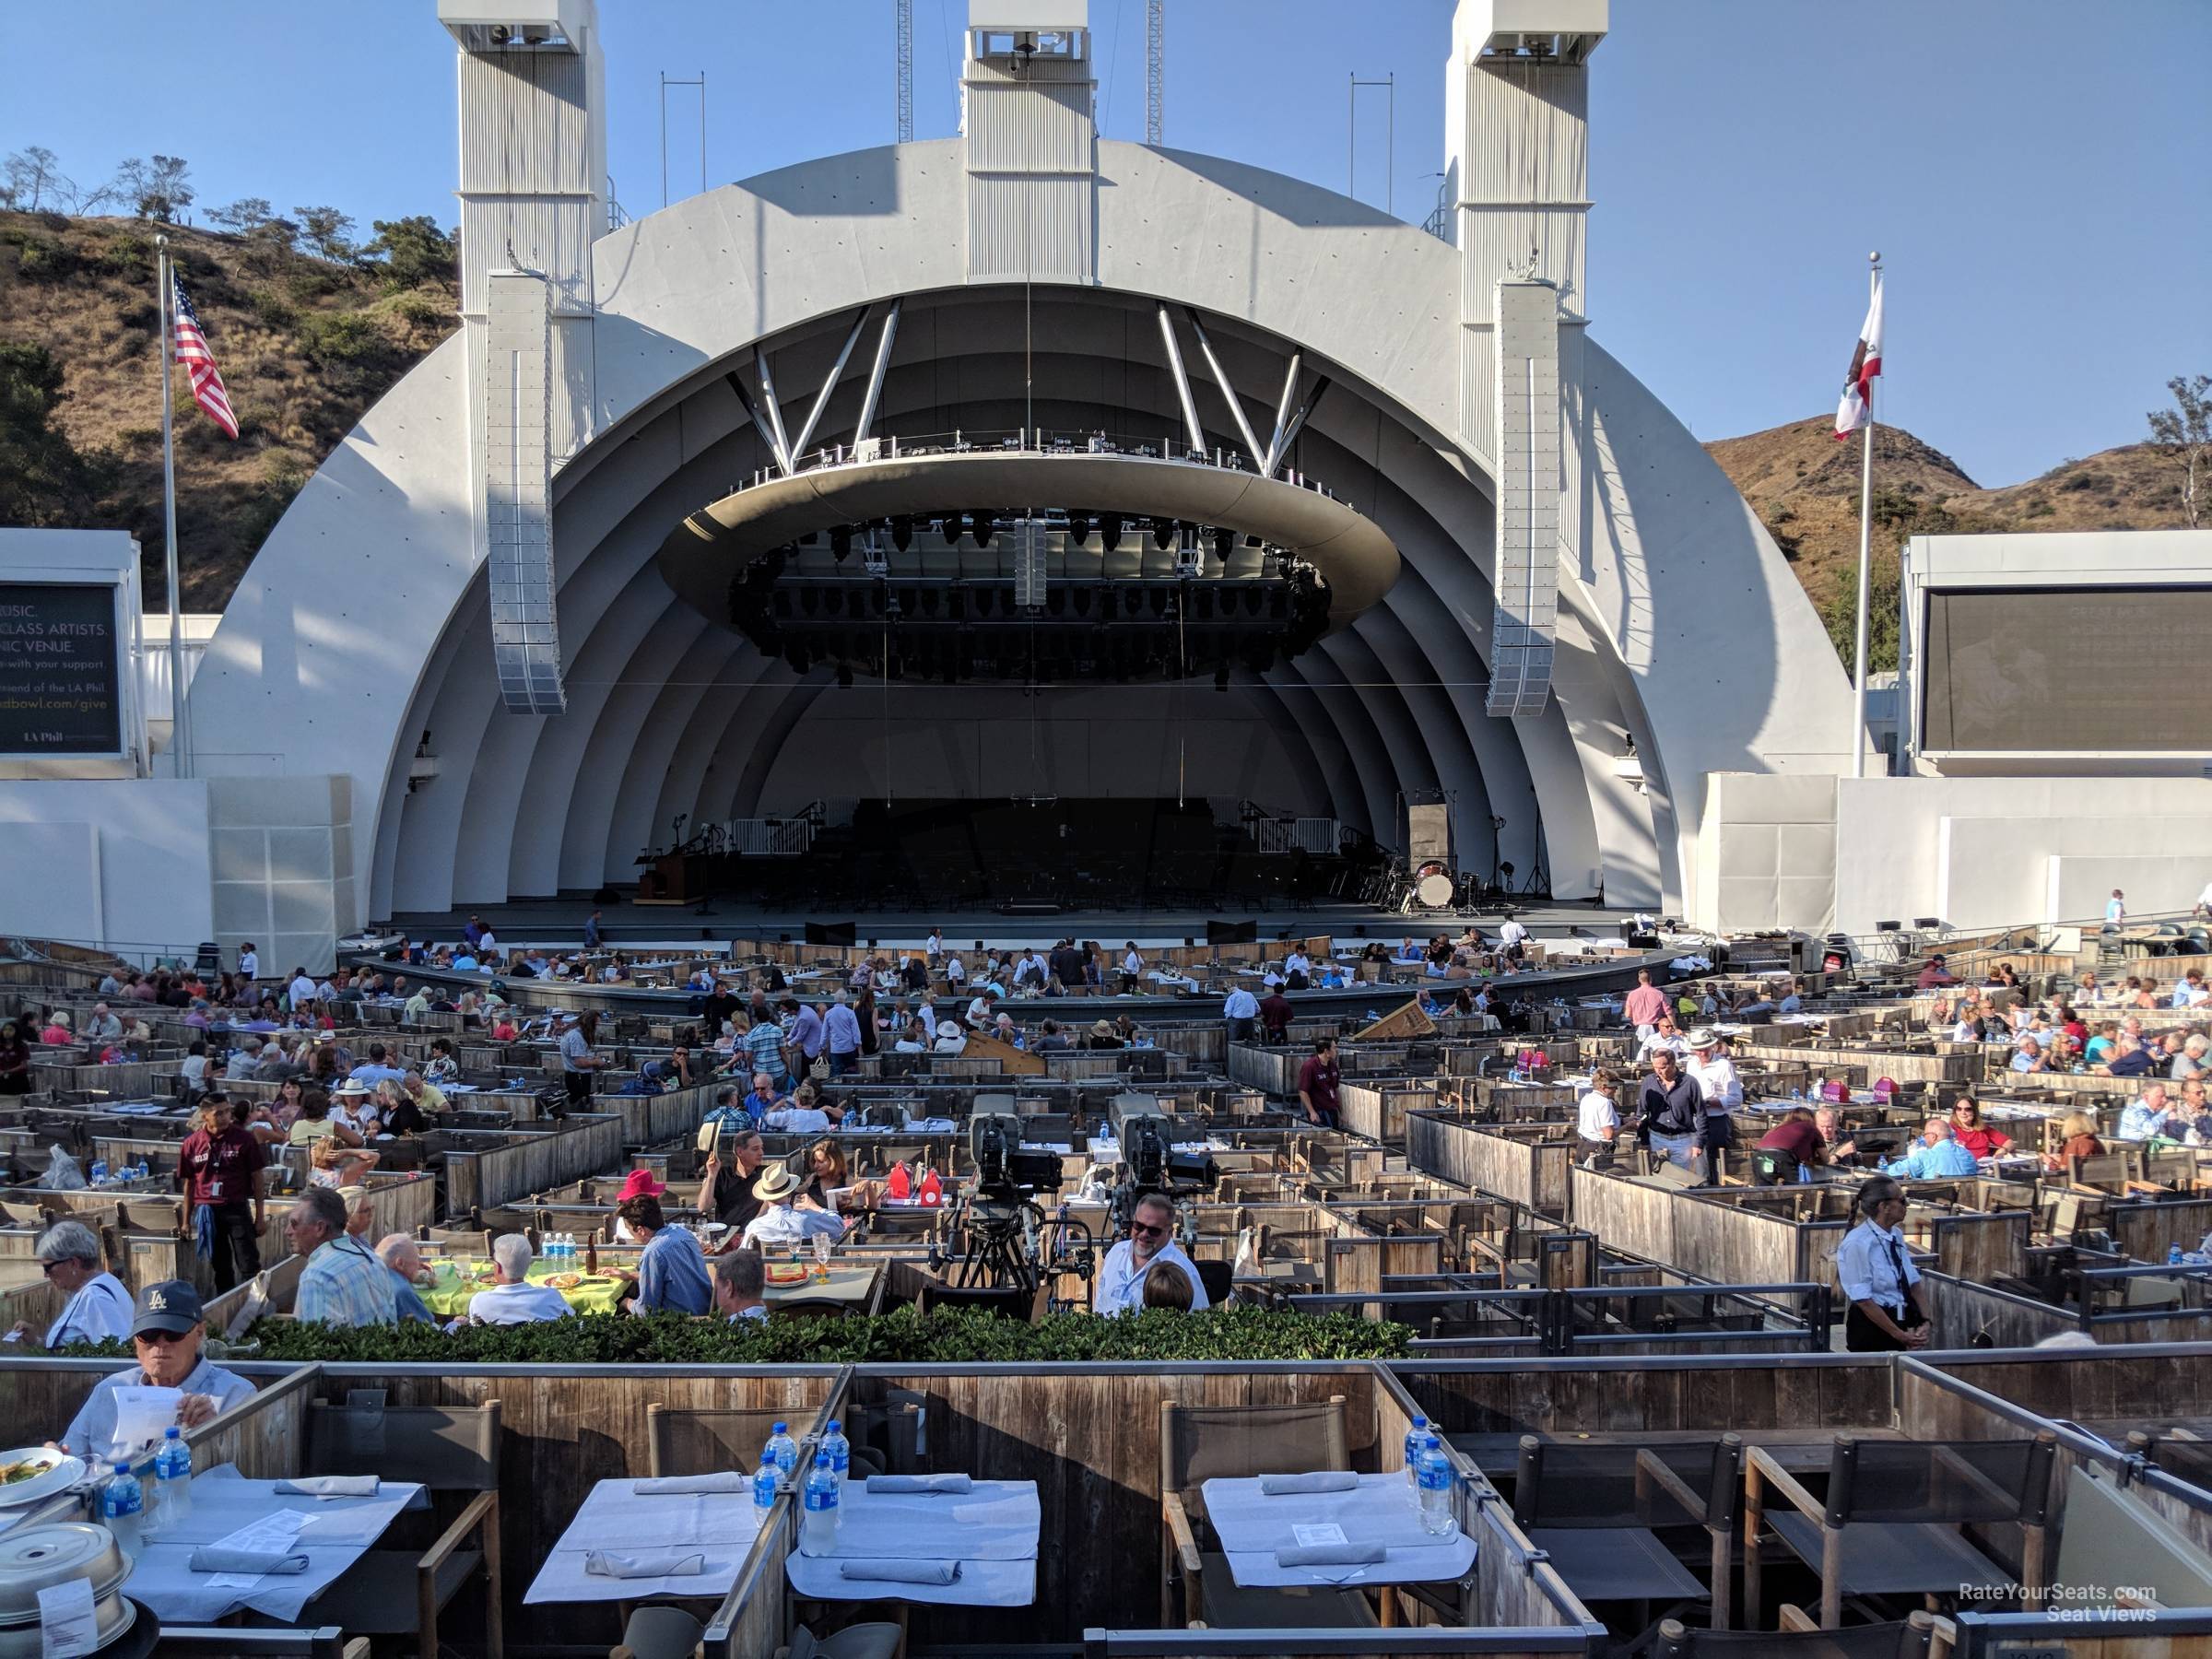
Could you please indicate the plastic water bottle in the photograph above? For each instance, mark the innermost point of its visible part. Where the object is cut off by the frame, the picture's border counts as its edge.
(1436, 1489)
(817, 1526)
(98, 1174)
(764, 1484)
(173, 1482)
(1413, 1437)
(122, 1507)
(2173, 1255)
(839, 1451)
(783, 1450)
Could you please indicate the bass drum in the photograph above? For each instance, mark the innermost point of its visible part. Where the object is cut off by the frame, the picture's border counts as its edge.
(1435, 892)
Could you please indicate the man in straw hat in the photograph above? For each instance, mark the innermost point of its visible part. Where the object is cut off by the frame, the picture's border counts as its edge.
(785, 1219)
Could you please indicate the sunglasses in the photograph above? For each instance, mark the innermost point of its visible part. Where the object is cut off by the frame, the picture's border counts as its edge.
(159, 1338)
(1147, 1230)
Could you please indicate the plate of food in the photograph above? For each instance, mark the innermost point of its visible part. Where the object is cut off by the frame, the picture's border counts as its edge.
(31, 1473)
(564, 1281)
(786, 1273)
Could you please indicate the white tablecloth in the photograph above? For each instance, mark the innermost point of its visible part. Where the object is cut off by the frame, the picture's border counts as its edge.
(721, 1526)
(991, 1530)
(338, 1533)
(1380, 1510)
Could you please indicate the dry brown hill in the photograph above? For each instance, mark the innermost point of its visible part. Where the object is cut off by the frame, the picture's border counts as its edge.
(305, 346)
(1804, 486)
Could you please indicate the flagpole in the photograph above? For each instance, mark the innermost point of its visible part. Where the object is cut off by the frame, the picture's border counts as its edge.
(180, 737)
(1858, 673)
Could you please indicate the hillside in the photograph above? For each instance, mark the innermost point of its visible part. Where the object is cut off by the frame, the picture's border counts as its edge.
(305, 346)
(1804, 486)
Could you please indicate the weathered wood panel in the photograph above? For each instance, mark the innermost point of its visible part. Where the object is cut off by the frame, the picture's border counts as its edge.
(564, 1431)
(1623, 1395)
(525, 1162)
(266, 1436)
(1982, 1248)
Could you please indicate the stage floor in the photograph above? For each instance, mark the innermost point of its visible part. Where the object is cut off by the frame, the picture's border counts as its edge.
(561, 920)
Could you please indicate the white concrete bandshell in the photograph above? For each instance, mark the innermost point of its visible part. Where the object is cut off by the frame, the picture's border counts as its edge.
(362, 622)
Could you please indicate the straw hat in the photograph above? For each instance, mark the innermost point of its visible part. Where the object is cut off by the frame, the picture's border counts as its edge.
(1703, 1039)
(776, 1185)
(948, 1030)
(1103, 1027)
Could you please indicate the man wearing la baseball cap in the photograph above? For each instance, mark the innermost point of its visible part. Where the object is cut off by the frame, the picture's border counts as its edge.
(168, 1327)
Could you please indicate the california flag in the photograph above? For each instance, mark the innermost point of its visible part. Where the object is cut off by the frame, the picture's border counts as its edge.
(1865, 363)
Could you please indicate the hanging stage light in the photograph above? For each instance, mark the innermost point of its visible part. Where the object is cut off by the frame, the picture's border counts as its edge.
(1078, 529)
(840, 541)
(1164, 532)
(982, 521)
(902, 533)
(1110, 531)
(1225, 541)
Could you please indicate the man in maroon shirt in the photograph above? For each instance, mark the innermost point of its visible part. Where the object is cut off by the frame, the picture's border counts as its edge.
(1317, 1081)
(1275, 1013)
(1799, 1139)
(219, 1167)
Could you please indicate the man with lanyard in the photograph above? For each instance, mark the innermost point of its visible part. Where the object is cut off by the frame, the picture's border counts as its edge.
(219, 1167)
(1317, 1084)
(1672, 1109)
(1149, 1244)
(1879, 1279)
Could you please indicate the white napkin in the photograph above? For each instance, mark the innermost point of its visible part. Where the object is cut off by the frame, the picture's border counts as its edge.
(1327, 1480)
(664, 1563)
(668, 1486)
(1330, 1555)
(329, 1486)
(902, 1572)
(919, 1483)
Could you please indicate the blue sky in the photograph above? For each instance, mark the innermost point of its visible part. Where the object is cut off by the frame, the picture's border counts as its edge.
(2032, 170)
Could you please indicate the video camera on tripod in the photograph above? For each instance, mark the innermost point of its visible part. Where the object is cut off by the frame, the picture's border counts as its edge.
(1005, 1240)
(1148, 1138)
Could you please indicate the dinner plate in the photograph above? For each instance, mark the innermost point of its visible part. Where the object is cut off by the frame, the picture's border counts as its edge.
(62, 1472)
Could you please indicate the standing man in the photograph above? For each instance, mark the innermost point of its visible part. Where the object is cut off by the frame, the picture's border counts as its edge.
(1644, 1004)
(1317, 1085)
(248, 962)
(1597, 1122)
(1150, 1241)
(809, 1036)
(1672, 1109)
(591, 931)
(219, 1168)
(1275, 1012)
(2115, 910)
(1879, 1281)
(1723, 1090)
(1240, 1009)
(576, 1061)
(841, 1033)
(1512, 939)
(764, 1048)
(1133, 968)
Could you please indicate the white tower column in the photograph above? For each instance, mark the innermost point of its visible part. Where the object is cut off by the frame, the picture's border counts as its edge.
(531, 95)
(1028, 107)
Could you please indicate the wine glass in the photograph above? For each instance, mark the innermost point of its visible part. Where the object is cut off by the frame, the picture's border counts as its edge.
(822, 1255)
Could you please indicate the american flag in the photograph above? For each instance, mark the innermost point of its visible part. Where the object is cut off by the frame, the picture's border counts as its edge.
(199, 363)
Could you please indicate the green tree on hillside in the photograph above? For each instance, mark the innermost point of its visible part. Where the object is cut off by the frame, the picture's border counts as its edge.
(411, 250)
(31, 179)
(2185, 432)
(242, 216)
(328, 231)
(158, 188)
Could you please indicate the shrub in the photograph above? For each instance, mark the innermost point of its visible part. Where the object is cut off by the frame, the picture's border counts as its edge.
(342, 337)
(270, 307)
(948, 1336)
(42, 258)
(127, 253)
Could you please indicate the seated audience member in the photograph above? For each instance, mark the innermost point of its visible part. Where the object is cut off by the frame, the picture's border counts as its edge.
(830, 1184)
(951, 1040)
(1937, 1156)
(99, 1307)
(2131, 1060)
(1829, 1122)
(1934, 973)
(167, 1331)
(2076, 1138)
(803, 1113)
(513, 1299)
(729, 1191)
(786, 1217)
(401, 1258)
(1665, 1034)
(314, 1122)
(2030, 1056)
(343, 1283)
(672, 1269)
(1150, 1243)
(1969, 1131)
(1167, 1286)
(2191, 1062)
(2145, 1117)
(741, 1286)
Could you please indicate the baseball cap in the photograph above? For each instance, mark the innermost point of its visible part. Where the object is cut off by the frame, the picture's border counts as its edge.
(172, 1306)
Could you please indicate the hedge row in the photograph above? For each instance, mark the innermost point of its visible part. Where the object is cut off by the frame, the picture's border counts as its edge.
(903, 1336)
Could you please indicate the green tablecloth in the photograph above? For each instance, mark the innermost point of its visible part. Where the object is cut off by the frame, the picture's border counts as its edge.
(447, 1296)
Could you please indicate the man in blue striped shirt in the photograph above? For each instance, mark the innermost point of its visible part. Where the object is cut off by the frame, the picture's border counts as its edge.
(343, 1283)
(764, 1049)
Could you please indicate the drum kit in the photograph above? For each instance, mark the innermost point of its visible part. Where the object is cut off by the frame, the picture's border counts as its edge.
(1430, 889)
